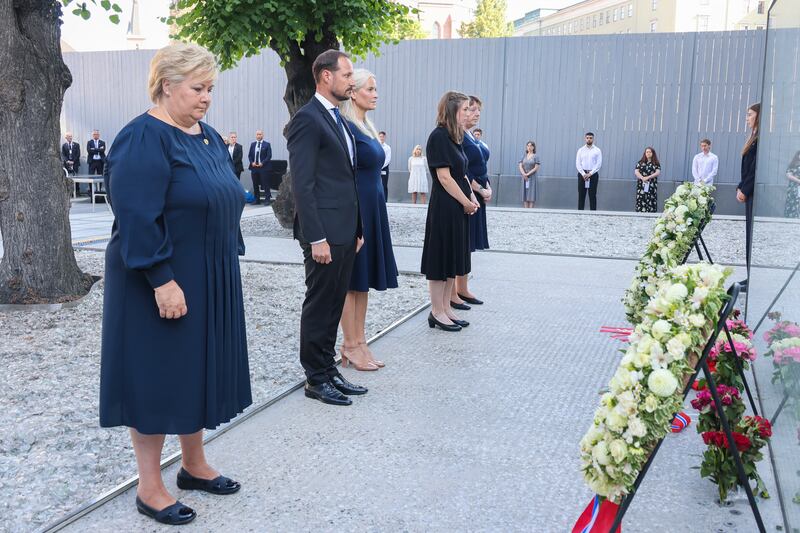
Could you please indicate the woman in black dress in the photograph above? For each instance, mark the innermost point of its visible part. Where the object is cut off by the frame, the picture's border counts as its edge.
(174, 346)
(445, 253)
(647, 171)
(746, 187)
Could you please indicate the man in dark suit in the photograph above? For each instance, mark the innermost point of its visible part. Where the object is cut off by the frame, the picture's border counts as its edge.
(236, 153)
(260, 155)
(71, 158)
(327, 222)
(96, 153)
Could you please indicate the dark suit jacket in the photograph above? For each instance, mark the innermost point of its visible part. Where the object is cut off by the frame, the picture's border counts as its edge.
(323, 178)
(748, 182)
(238, 153)
(75, 157)
(266, 155)
(90, 151)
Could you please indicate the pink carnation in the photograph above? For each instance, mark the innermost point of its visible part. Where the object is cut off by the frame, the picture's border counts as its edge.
(787, 355)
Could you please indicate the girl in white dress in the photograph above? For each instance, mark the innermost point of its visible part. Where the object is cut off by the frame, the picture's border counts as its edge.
(418, 175)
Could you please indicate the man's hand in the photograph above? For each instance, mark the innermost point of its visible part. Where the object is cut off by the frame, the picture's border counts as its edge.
(321, 252)
(359, 244)
(740, 196)
(170, 300)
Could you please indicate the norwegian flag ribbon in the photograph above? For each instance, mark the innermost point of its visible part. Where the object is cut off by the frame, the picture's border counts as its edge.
(597, 517)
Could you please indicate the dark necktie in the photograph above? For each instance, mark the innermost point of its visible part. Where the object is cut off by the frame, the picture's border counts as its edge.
(338, 118)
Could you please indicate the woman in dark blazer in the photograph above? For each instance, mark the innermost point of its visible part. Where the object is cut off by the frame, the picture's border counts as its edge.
(174, 353)
(746, 187)
(445, 253)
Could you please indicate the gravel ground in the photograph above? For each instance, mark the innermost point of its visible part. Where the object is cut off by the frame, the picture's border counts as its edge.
(536, 231)
(53, 455)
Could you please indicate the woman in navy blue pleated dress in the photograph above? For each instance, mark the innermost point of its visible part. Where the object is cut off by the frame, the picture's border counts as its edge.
(374, 266)
(174, 352)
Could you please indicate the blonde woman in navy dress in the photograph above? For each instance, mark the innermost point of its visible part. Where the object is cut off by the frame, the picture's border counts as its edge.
(374, 266)
(174, 352)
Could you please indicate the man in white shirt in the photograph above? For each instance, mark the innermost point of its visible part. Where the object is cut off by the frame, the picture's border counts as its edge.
(385, 170)
(588, 162)
(705, 164)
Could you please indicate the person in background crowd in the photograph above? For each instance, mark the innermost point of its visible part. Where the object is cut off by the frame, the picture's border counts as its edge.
(477, 153)
(236, 153)
(647, 171)
(705, 164)
(174, 345)
(588, 161)
(260, 154)
(96, 153)
(528, 167)
(417, 175)
(746, 187)
(374, 266)
(387, 150)
(792, 209)
(71, 158)
(445, 253)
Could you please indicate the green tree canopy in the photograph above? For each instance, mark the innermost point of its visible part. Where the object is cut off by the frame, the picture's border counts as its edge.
(409, 28)
(490, 21)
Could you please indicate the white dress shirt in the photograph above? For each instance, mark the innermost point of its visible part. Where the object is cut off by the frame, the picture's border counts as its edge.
(329, 106)
(589, 158)
(230, 149)
(704, 168)
(388, 151)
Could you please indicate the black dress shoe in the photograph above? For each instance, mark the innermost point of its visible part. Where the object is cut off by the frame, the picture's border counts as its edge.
(462, 323)
(460, 307)
(174, 515)
(473, 301)
(219, 485)
(326, 393)
(345, 387)
(432, 322)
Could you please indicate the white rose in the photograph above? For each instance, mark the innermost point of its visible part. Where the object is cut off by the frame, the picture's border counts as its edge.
(616, 421)
(661, 328)
(677, 292)
(637, 427)
(662, 383)
(650, 403)
(702, 200)
(681, 190)
(697, 320)
(676, 348)
(618, 450)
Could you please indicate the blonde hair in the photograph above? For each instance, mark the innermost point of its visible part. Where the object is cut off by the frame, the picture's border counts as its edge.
(414, 151)
(448, 110)
(348, 110)
(175, 63)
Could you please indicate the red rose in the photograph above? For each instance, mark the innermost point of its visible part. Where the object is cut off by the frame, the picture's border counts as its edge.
(742, 442)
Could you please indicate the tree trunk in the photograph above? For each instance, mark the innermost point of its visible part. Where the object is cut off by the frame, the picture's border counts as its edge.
(38, 264)
(300, 88)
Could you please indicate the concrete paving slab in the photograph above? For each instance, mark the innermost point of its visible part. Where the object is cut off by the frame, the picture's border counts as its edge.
(469, 431)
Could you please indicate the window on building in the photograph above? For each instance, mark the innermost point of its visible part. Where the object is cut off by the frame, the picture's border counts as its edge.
(761, 7)
(630, 10)
(608, 17)
(600, 23)
(436, 31)
(616, 13)
(622, 13)
(582, 25)
(653, 26)
(702, 22)
(654, 4)
(759, 27)
(594, 21)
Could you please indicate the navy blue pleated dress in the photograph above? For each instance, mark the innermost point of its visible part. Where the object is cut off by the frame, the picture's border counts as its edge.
(375, 266)
(177, 205)
(477, 155)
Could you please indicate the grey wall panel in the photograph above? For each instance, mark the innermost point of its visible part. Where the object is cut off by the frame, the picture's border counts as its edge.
(633, 91)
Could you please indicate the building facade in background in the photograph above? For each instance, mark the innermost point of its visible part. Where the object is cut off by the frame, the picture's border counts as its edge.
(442, 19)
(645, 16)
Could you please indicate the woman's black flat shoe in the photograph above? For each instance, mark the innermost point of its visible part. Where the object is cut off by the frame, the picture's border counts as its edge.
(462, 323)
(460, 307)
(220, 485)
(473, 301)
(176, 514)
(432, 322)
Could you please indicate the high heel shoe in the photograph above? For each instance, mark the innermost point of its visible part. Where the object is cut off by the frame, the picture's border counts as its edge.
(432, 322)
(462, 323)
(368, 352)
(363, 367)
